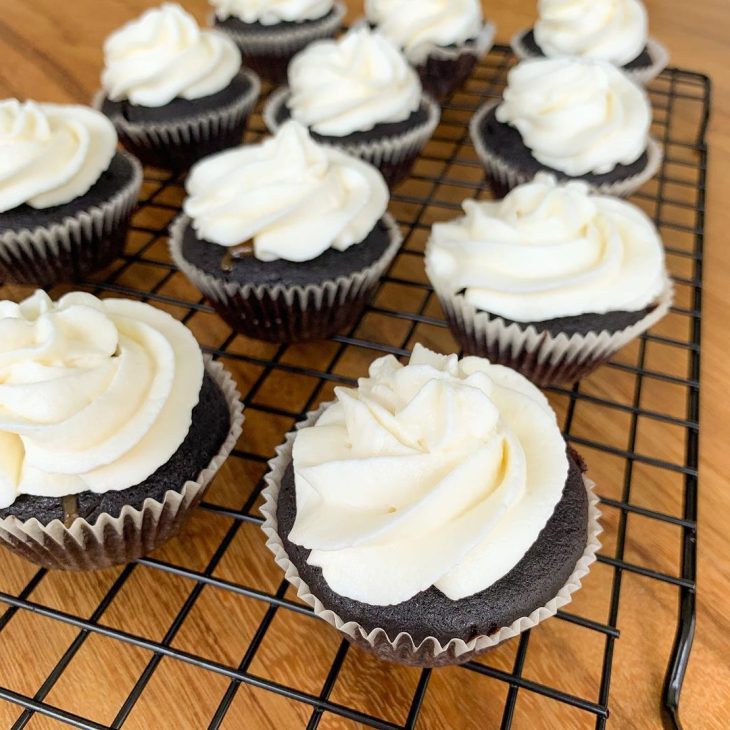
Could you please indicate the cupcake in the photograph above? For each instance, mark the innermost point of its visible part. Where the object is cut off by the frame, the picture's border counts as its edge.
(433, 511)
(175, 93)
(66, 194)
(271, 32)
(443, 39)
(287, 239)
(606, 30)
(577, 119)
(551, 281)
(360, 94)
(111, 427)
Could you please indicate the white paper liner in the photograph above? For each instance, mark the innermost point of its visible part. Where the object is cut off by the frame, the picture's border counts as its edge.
(282, 42)
(643, 75)
(190, 130)
(39, 249)
(315, 298)
(544, 358)
(135, 532)
(380, 151)
(403, 648)
(502, 172)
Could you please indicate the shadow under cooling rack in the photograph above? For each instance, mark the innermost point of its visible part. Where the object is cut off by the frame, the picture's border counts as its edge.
(207, 629)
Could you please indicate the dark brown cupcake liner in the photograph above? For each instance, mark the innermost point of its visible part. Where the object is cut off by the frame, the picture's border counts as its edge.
(135, 532)
(642, 75)
(269, 51)
(393, 155)
(287, 314)
(76, 246)
(178, 145)
(505, 177)
(403, 649)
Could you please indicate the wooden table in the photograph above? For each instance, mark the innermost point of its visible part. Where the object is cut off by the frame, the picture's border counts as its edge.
(51, 51)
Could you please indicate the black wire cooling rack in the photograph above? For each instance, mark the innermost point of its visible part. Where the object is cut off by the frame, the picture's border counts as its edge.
(654, 383)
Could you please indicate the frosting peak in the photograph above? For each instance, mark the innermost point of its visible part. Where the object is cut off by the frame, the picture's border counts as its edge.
(577, 116)
(608, 30)
(352, 84)
(548, 251)
(439, 473)
(293, 197)
(51, 153)
(271, 12)
(163, 55)
(94, 395)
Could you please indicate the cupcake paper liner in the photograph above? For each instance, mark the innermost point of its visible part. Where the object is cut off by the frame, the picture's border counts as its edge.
(505, 177)
(287, 314)
(74, 247)
(544, 358)
(179, 144)
(268, 53)
(135, 532)
(643, 75)
(394, 155)
(403, 649)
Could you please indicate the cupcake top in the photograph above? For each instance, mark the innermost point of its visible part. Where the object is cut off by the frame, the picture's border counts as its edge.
(94, 395)
(163, 55)
(272, 12)
(439, 473)
(549, 250)
(416, 26)
(352, 84)
(608, 30)
(577, 116)
(293, 198)
(51, 153)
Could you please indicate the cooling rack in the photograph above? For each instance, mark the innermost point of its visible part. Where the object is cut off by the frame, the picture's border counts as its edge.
(204, 633)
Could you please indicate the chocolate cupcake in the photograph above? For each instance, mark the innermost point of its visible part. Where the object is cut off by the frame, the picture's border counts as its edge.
(433, 511)
(103, 455)
(551, 281)
(358, 94)
(66, 194)
(174, 92)
(607, 30)
(287, 239)
(443, 39)
(269, 34)
(577, 119)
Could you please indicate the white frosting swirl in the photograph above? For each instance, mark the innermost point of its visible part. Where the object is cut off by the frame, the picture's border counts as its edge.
(293, 197)
(608, 30)
(441, 473)
(577, 116)
(51, 153)
(548, 251)
(163, 55)
(271, 12)
(94, 395)
(417, 26)
(351, 84)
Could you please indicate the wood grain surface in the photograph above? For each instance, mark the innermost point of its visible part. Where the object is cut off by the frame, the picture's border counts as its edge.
(50, 51)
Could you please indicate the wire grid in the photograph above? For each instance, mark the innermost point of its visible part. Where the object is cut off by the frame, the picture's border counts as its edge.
(675, 200)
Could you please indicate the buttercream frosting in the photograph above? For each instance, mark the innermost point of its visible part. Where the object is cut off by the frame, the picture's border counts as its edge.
(94, 395)
(51, 153)
(417, 26)
(163, 55)
(292, 197)
(352, 84)
(608, 30)
(549, 250)
(577, 116)
(439, 473)
(272, 12)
